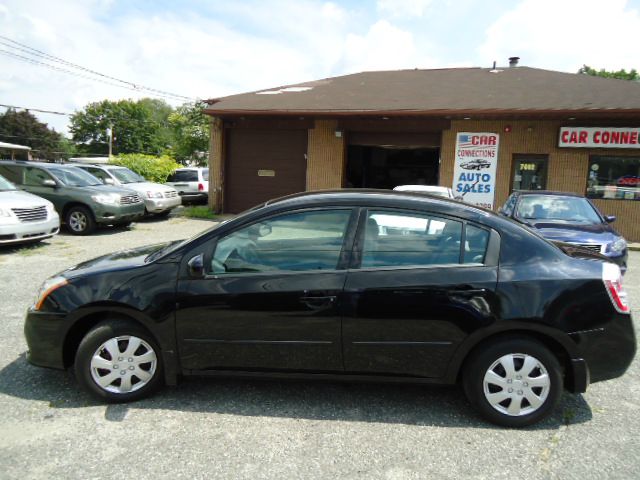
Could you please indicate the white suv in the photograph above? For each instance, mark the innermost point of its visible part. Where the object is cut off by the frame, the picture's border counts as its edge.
(192, 183)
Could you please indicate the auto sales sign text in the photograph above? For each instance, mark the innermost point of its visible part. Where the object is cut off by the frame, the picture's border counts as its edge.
(599, 137)
(474, 174)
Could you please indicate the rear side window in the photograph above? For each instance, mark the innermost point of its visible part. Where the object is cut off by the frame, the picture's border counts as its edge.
(476, 241)
(12, 173)
(184, 176)
(393, 239)
(205, 174)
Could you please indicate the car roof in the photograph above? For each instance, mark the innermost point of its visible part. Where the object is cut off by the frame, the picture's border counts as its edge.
(31, 163)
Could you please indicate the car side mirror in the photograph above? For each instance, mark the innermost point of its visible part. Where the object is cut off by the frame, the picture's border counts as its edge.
(108, 181)
(196, 266)
(609, 218)
(49, 183)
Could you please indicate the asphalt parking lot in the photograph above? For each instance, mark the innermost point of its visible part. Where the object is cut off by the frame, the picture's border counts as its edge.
(208, 428)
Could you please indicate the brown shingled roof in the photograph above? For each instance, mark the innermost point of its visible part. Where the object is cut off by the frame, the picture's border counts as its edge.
(445, 91)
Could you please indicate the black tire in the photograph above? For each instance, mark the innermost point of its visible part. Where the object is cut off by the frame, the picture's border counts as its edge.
(80, 220)
(121, 384)
(542, 384)
(164, 214)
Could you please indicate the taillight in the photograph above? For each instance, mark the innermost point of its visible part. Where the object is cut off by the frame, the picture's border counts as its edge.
(201, 187)
(612, 279)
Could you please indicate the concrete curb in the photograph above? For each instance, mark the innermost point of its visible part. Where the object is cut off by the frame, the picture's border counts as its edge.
(634, 246)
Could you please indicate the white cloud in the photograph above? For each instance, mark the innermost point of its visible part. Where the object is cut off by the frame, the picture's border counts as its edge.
(566, 34)
(403, 8)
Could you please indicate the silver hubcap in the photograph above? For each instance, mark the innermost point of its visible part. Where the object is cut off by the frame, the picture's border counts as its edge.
(516, 384)
(77, 221)
(123, 364)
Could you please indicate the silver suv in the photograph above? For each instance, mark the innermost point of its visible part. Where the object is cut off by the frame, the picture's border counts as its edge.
(158, 199)
(192, 183)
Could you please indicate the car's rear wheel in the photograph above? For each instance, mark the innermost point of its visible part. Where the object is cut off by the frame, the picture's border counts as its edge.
(118, 361)
(513, 382)
(80, 221)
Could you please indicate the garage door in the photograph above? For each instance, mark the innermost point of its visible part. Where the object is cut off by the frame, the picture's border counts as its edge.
(263, 164)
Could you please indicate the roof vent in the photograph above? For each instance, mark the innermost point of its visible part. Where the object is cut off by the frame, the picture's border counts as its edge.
(513, 62)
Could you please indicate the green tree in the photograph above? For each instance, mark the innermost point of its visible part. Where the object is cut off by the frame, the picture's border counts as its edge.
(190, 130)
(137, 127)
(154, 169)
(620, 74)
(23, 128)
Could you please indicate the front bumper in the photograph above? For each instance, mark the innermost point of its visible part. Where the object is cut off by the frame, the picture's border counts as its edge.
(620, 259)
(29, 231)
(159, 205)
(112, 214)
(45, 333)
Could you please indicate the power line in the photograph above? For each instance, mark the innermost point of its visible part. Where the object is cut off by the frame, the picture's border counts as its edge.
(52, 58)
(36, 110)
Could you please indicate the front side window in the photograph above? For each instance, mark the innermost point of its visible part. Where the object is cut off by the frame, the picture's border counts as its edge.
(614, 177)
(556, 208)
(124, 175)
(74, 177)
(35, 176)
(301, 241)
(393, 239)
(12, 173)
(100, 174)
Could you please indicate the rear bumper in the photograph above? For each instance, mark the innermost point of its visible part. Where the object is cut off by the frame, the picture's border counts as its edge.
(191, 196)
(45, 334)
(607, 351)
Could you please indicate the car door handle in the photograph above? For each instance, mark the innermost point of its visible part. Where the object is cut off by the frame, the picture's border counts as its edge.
(318, 302)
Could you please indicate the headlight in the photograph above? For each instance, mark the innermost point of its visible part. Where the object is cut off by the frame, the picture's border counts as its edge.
(5, 212)
(618, 246)
(47, 287)
(107, 198)
(154, 195)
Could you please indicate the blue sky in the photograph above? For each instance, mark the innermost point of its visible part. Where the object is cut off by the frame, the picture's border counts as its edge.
(208, 49)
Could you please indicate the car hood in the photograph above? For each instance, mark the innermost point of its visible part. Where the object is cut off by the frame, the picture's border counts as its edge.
(144, 187)
(20, 199)
(575, 233)
(121, 260)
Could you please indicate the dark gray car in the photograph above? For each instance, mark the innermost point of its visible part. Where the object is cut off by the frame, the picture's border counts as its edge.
(82, 200)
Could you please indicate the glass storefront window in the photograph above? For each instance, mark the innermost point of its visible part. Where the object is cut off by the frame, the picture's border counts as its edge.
(614, 177)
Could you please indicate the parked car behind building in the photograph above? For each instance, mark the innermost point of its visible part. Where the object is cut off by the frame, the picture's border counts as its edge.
(570, 218)
(158, 199)
(192, 183)
(82, 200)
(24, 217)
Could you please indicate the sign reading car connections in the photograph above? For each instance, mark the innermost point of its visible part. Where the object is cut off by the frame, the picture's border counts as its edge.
(474, 174)
(599, 137)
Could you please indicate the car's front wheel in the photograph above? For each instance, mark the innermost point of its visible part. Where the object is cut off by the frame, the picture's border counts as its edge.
(118, 361)
(80, 220)
(513, 382)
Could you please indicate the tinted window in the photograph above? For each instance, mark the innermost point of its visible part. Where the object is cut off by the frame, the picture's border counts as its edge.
(556, 208)
(96, 172)
(205, 174)
(35, 176)
(476, 241)
(509, 204)
(402, 239)
(11, 173)
(124, 175)
(184, 176)
(302, 241)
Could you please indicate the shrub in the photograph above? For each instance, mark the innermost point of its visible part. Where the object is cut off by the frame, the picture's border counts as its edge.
(154, 169)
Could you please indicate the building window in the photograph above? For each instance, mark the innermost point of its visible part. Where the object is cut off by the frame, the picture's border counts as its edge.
(614, 177)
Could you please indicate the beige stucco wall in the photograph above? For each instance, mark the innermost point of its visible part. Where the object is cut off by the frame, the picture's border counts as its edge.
(325, 156)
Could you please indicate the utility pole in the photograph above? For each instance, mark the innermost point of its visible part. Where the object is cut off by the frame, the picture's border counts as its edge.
(110, 135)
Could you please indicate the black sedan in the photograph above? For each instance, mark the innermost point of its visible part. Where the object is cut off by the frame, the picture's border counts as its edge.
(353, 285)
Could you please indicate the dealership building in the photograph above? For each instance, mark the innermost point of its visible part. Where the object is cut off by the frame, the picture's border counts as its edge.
(485, 132)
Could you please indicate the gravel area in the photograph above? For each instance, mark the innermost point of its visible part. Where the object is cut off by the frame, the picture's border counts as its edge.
(209, 428)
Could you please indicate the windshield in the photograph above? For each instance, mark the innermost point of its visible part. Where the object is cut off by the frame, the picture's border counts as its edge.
(124, 175)
(74, 176)
(6, 184)
(557, 208)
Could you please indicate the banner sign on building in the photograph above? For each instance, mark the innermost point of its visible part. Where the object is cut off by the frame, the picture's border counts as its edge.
(474, 173)
(599, 137)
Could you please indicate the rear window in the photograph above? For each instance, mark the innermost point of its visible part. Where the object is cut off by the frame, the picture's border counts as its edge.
(184, 176)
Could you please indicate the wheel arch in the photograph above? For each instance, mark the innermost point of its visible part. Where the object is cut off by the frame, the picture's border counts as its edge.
(561, 346)
(69, 205)
(87, 320)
